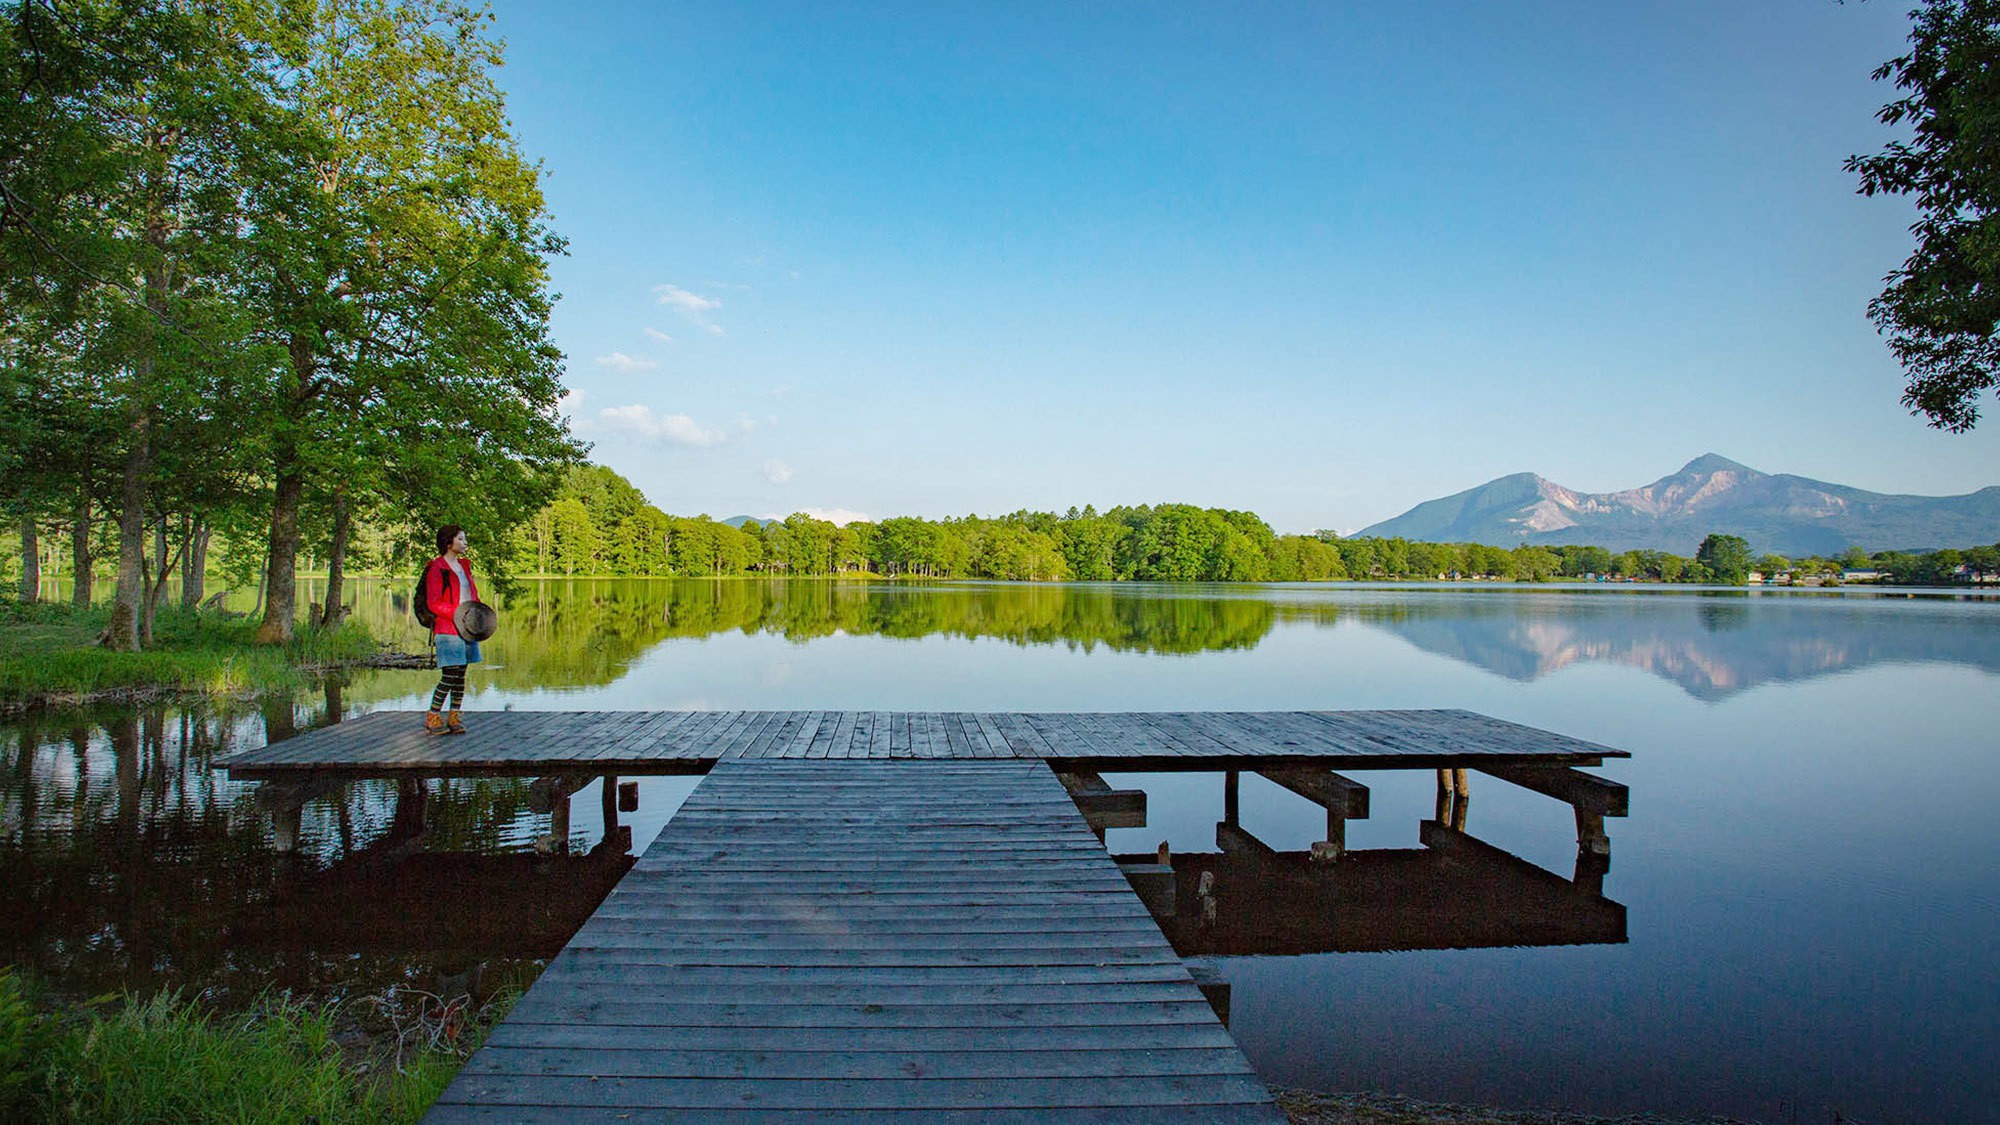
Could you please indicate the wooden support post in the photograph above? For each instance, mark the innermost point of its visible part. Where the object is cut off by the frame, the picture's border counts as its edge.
(607, 800)
(1343, 798)
(1459, 785)
(1592, 797)
(628, 796)
(1590, 835)
(551, 795)
(285, 823)
(1590, 871)
(1230, 780)
(559, 824)
(1335, 844)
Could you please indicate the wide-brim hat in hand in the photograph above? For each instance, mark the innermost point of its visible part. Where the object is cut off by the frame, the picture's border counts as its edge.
(475, 621)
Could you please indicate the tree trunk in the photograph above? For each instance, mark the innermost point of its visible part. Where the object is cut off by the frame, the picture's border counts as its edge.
(336, 561)
(31, 561)
(123, 632)
(79, 551)
(150, 580)
(157, 586)
(280, 571)
(194, 565)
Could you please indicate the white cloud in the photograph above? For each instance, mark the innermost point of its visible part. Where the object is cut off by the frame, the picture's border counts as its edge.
(656, 334)
(693, 306)
(570, 402)
(682, 301)
(839, 517)
(777, 472)
(745, 423)
(619, 361)
(639, 420)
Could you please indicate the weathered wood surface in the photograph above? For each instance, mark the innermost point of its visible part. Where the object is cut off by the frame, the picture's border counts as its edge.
(814, 940)
(631, 742)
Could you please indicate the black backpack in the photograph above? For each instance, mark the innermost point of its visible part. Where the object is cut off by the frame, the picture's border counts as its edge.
(420, 604)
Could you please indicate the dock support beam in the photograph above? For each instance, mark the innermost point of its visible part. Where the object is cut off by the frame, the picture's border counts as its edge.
(1102, 806)
(1592, 798)
(1343, 799)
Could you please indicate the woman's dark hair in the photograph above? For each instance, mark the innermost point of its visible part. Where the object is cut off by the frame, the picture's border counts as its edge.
(446, 534)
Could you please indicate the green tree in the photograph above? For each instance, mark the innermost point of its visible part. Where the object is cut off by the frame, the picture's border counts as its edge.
(1941, 307)
(575, 547)
(399, 265)
(1725, 557)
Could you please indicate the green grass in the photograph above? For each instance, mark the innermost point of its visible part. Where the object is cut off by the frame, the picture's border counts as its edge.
(49, 652)
(166, 1059)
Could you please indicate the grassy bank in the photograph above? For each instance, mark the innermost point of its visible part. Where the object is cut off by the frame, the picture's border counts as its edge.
(166, 1059)
(49, 655)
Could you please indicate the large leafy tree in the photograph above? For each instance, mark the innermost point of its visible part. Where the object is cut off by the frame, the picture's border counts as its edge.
(123, 128)
(1941, 308)
(401, 266)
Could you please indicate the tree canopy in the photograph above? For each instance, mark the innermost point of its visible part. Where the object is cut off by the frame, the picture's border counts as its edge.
(277, 265)
(1941, 307)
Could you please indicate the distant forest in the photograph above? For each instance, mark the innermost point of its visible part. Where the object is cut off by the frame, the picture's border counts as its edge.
(599, 524)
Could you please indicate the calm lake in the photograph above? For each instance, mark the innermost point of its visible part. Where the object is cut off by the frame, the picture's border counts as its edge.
(1800, 917)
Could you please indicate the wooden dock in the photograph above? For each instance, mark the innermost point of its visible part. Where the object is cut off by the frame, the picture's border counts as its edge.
(811, 941)
(638, 742)
(899, 915)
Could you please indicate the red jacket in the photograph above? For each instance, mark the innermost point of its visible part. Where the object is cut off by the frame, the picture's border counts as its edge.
(442, 592)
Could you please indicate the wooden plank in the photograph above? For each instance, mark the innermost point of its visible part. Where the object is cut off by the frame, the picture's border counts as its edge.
(922, 961)
(528, 742)
(931, 1094)
(799, 1064)
(1188, 1114)
(1110, 1037)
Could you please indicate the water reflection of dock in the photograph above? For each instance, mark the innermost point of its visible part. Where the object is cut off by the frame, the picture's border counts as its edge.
(903, 913)
(1454, 892)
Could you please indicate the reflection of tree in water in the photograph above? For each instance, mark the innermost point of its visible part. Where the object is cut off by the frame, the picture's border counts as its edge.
(579, 633)
(1717, 616)
(126, 862)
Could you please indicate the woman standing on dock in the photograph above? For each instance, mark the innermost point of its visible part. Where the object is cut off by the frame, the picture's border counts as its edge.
(447, 582)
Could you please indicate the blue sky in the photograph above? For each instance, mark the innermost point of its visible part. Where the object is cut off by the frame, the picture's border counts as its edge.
(1320, 261)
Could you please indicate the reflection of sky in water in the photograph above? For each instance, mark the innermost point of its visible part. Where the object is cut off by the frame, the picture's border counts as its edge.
(1810, 867)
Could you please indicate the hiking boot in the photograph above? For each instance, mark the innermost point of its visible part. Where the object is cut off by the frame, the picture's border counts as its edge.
(433, 723)
(453, 726)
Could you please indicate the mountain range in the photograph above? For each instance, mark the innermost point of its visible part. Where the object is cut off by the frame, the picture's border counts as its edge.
(1779, 512)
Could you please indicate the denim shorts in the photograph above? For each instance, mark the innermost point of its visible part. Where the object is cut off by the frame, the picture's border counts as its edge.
(456, 650)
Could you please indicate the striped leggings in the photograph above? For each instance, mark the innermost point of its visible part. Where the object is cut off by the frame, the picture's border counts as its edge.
(451, 679)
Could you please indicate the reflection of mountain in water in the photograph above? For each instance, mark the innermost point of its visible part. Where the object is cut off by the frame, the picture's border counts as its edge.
(1712, 646)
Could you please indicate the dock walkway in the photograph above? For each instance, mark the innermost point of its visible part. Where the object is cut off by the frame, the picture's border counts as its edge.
(820, 940)
(628, 742)
(896, 915)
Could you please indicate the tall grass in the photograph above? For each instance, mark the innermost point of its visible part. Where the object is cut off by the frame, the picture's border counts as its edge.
(165, 1059)
(49, 650)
